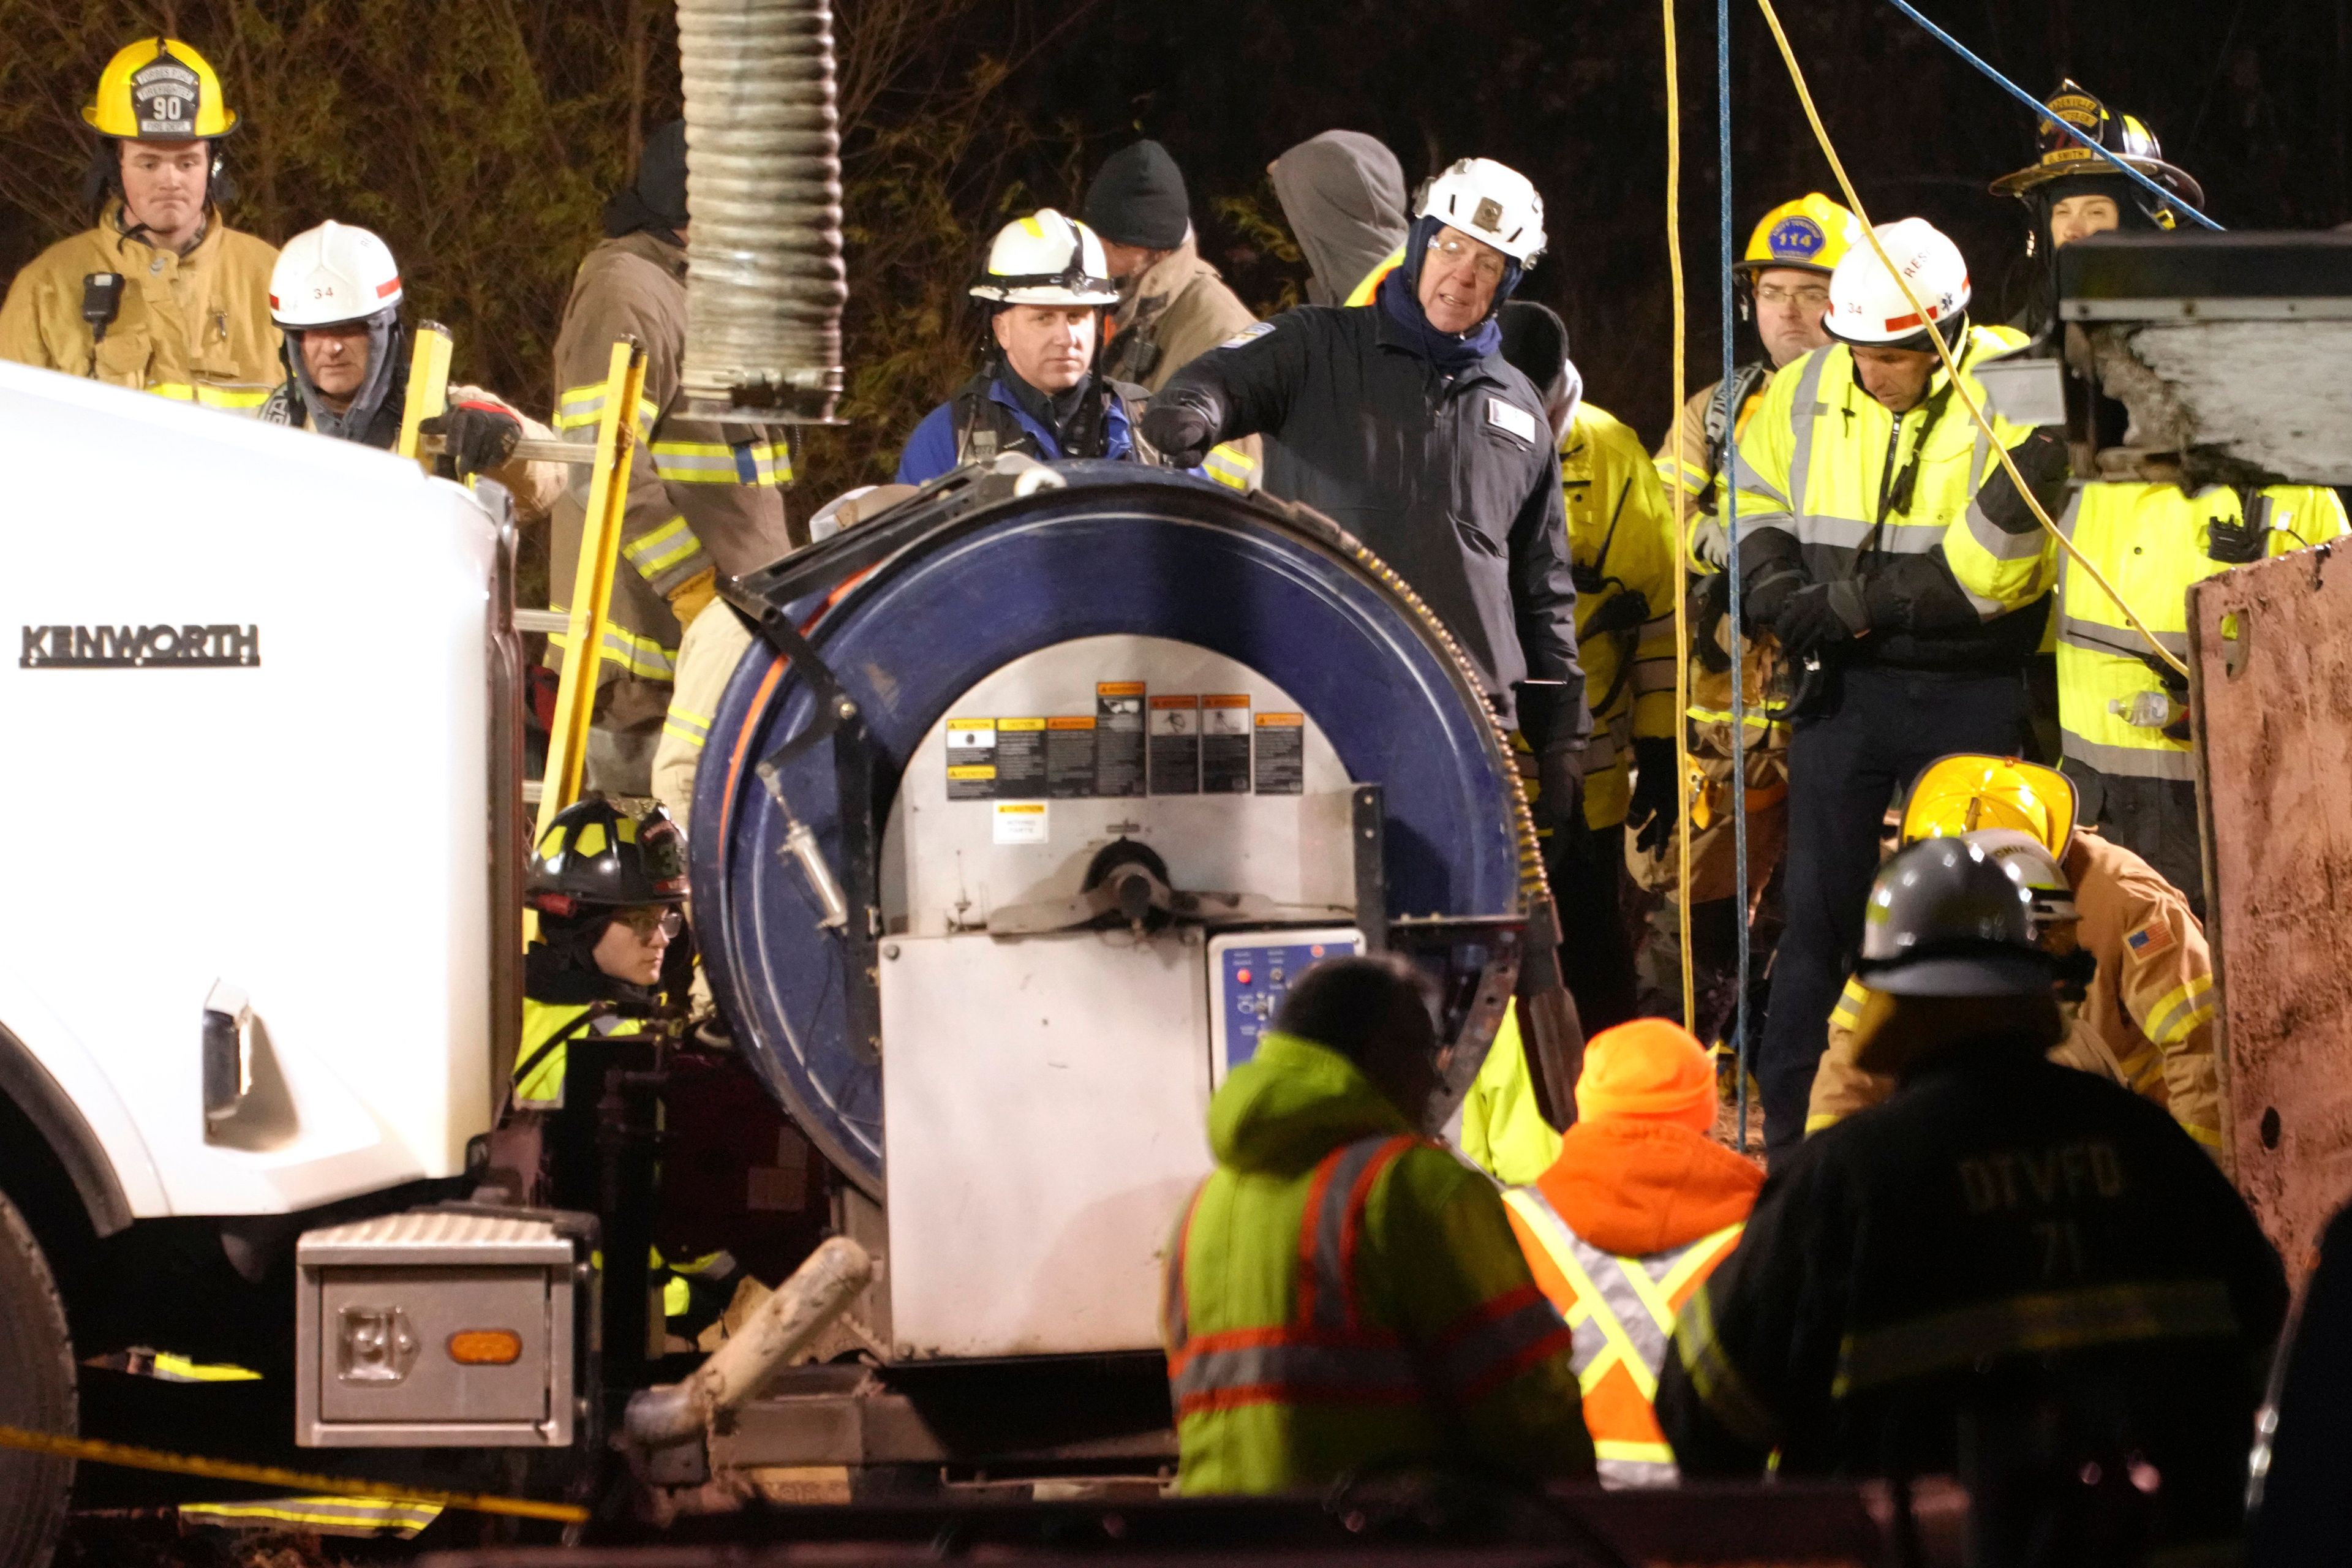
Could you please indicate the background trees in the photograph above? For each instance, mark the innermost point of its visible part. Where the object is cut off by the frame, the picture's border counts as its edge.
(481, 136)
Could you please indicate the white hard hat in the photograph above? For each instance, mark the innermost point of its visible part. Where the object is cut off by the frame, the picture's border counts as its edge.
(1490, 201)
(1867, 306)
(335, 272)
(1046, 259)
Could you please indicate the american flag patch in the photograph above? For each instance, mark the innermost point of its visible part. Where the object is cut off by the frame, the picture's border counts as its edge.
(2152, 938)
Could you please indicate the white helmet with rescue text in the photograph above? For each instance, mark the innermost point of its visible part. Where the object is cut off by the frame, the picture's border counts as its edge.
(1046, 259)
(336, 272)
(1868, 307)
(1490, 202)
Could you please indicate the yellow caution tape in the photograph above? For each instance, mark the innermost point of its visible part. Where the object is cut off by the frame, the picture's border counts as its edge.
(91, 1450)
(357, 1517)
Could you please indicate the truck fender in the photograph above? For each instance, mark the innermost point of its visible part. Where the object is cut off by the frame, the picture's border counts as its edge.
(29, 1085)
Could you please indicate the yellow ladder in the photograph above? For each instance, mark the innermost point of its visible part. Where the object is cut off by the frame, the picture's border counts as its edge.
(600, 546)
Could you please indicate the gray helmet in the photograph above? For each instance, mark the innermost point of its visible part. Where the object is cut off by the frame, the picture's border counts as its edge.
(1946, 918)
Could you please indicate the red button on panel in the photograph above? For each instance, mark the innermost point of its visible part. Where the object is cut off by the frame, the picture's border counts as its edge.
(1241, 975)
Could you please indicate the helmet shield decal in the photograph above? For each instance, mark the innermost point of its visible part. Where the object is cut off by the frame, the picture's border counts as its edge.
(165, 97)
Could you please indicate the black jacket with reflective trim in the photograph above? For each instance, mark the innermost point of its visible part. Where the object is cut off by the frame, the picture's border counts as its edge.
(1452, 480)
(2001, 1238)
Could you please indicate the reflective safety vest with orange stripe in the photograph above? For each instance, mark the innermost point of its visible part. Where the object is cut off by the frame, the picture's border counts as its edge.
(1343, 1377)
(1621, 1311)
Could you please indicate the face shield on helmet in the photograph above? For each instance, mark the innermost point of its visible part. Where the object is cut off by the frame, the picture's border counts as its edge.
(1967, 791)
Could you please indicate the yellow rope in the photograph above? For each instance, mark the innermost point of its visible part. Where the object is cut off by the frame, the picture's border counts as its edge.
(90, 1451)
(1943, 351)
(1682, 524)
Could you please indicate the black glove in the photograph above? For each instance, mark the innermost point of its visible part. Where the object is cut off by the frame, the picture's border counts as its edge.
(1180, 434)
(1819, 614)
(2236, 543)
(1559, 787)
(1651, 808)
(475, 437)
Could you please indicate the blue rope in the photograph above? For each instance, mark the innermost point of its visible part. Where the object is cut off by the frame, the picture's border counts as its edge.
(2043, 111)
(1731, 565)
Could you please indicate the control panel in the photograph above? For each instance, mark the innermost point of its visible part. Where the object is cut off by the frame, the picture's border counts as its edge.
(1249, 975)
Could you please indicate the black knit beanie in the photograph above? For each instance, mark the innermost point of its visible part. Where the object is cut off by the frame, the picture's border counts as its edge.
(1138, 198)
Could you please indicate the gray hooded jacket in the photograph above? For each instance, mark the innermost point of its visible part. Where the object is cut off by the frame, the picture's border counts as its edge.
(1343, 193)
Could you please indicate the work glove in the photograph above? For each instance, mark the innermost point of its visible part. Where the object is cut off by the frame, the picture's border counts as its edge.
(2235, 542)
(1559, 788)
(693, 596)
(1821, 614)
(1651, 809)
(1180, 434)
(476, 437)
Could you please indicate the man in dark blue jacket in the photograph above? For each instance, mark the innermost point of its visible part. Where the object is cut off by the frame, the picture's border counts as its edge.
(1040, 392)
(1404, 423)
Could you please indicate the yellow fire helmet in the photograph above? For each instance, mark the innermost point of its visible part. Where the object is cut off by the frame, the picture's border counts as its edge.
(159, 89)
(1811, 234)
(1969, 790)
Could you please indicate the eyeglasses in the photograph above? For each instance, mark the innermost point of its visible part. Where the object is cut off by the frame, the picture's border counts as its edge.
(1814, 299)
(1488, 264)
(645, 923)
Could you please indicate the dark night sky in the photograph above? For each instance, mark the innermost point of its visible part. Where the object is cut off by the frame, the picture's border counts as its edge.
(2248, 94)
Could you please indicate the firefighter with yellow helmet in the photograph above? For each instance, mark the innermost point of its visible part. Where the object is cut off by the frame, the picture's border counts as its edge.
(1782, 283)
(161, 294)
(2123, 712)
(2147, 1021)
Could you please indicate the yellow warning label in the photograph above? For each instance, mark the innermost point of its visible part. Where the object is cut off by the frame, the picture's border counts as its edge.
(971, 771)
(1024, 723)
(971, 723)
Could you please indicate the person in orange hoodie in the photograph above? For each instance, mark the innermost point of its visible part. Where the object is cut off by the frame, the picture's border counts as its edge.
(1638, 1209)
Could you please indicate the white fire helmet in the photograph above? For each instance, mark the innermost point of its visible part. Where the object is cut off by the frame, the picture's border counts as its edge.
(334, 273)
(1867, 306)
(1490, 202)
(1046, 259)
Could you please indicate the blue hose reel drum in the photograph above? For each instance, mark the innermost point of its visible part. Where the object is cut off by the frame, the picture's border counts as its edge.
(963, 580)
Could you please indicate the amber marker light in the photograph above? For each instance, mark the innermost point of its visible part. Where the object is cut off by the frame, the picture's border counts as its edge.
(486, 1347)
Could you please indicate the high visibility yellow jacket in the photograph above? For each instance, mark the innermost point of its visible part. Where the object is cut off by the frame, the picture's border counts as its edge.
(1621, 542)
(1821, 475)
(193, 327)
(702, 497)
(1340, 1293)
(1504, 1133)
(1627, 1221)
(548, 1030)
(2151, 541)
(2147, 1023)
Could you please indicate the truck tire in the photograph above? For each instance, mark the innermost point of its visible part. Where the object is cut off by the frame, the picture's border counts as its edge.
(37, 1393)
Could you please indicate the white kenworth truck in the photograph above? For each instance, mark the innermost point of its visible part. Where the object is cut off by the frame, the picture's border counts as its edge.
(263, 746)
